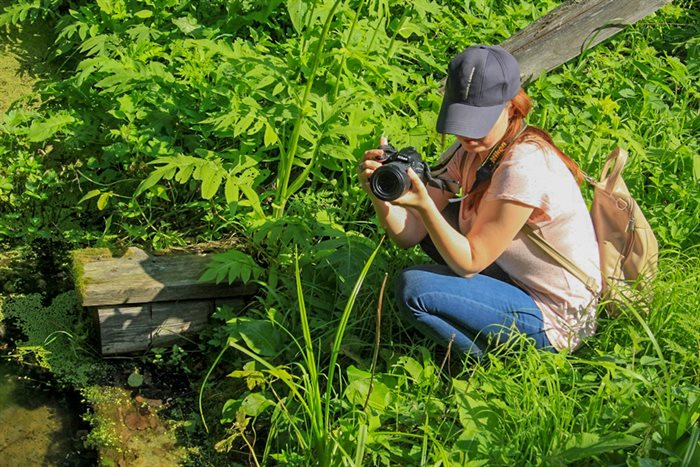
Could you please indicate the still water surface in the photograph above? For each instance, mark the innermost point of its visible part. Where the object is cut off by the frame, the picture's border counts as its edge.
(38, 426)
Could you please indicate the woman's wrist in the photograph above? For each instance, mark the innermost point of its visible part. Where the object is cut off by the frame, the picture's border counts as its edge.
(427, 209)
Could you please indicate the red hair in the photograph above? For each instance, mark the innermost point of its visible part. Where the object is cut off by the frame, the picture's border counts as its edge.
(520, 108)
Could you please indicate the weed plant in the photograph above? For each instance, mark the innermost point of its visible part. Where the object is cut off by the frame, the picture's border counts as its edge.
(179, 121)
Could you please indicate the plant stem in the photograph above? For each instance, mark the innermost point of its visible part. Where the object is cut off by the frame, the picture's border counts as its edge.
(287, 162)
(204, 383)
(342, 326)
(375, 355)
(341, 66)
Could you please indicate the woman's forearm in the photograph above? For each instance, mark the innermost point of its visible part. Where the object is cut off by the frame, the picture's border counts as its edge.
(453, 246)
(403, 225)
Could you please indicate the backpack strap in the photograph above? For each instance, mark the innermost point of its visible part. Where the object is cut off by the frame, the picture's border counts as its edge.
(564, 261)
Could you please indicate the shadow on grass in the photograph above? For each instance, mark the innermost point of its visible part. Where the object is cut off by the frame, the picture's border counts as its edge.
(23, 60)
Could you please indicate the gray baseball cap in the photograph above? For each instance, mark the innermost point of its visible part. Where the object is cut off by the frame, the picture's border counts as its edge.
(480, 81)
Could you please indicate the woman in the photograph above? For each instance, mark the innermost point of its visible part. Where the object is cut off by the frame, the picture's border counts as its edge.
(494, 283)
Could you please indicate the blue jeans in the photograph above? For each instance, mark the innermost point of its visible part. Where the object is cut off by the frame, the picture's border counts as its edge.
(485, 309)
(474, 313)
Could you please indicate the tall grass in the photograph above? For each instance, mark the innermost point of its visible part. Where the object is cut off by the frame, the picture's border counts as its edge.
(630, 395)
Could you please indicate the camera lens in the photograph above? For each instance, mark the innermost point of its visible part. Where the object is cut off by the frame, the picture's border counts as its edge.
(389, 182)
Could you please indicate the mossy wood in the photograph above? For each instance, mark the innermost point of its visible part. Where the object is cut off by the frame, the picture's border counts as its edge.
(568, 30)
(141, 300)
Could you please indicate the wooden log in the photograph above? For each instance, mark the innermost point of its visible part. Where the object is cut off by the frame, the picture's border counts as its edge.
(135, 329)
(124, 329)
(135, 277)
(568, 30)
(171, 322)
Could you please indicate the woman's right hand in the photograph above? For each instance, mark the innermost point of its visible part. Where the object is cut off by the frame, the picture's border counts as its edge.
(370, 163)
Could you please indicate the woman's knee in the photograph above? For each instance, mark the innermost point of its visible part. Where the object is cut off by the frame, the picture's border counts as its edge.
(409, 286)
(404, 288)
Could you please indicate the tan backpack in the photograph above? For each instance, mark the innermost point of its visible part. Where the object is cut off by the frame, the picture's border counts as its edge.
(628, 248)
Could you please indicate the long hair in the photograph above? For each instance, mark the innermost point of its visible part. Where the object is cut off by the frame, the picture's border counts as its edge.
(521, 106)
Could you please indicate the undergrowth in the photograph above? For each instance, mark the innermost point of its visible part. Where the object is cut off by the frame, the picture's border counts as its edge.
(53, 337)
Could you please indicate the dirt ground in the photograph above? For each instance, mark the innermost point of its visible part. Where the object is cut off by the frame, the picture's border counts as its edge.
(22, 60)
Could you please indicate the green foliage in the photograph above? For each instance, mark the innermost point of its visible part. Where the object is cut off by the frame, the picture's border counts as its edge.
(636, 93)
(55, 337)
(182, 103)
(304, 400)
(175, 122)
(216, 116)
(21, 11)
(627, 397)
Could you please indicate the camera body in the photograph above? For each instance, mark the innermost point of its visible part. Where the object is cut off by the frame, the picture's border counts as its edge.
(390, 181)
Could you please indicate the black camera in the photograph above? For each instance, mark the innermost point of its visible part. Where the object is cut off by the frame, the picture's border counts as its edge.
(390, 181)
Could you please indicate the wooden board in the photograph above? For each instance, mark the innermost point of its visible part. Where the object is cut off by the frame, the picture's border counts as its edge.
(171, 322)
(136, 277)
(137, 328)
(124, 329)
(571, 28)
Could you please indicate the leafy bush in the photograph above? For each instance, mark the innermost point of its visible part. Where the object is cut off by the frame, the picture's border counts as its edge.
(242, 111)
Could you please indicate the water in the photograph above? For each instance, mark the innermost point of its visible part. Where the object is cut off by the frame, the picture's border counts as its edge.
(39, 426)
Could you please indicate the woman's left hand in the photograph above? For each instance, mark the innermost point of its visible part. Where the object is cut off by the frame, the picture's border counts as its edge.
(417, 196)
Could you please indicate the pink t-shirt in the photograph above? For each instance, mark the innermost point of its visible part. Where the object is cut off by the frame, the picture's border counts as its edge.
(535, 176)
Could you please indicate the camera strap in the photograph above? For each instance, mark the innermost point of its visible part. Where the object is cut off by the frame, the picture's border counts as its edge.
(488, 167)
(435, 179)
(483, 173)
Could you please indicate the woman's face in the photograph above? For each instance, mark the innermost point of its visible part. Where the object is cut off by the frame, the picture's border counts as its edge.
(494, 136)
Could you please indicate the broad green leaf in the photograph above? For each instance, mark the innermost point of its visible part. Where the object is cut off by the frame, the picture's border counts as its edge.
(261, 336)
(143, 14)
(297, 12)
(475, 413)
(254, 404)
(184, 174)
(265, 81)
(103, 200)
(186, 24)
(253, 377)
(243, 123)
(359, 386)
(106, 6)
(230, 410)
(211, 180)
(412, 367)
(270, 138)
(135, 379)
(253, 198)
(41, 130)
(89, 195)
(587, 445)
(164, 172)
(233, 265)
(231, 190)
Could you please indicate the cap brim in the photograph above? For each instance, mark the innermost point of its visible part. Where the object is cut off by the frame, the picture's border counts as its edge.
(466, 120)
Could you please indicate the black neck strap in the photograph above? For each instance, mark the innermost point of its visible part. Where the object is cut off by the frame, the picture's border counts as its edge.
(483, 173)
(487, 168)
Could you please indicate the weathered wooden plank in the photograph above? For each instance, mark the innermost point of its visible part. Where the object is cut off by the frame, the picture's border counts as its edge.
(170, 322)
(571, 28)
(124, 329)
(136, 277)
